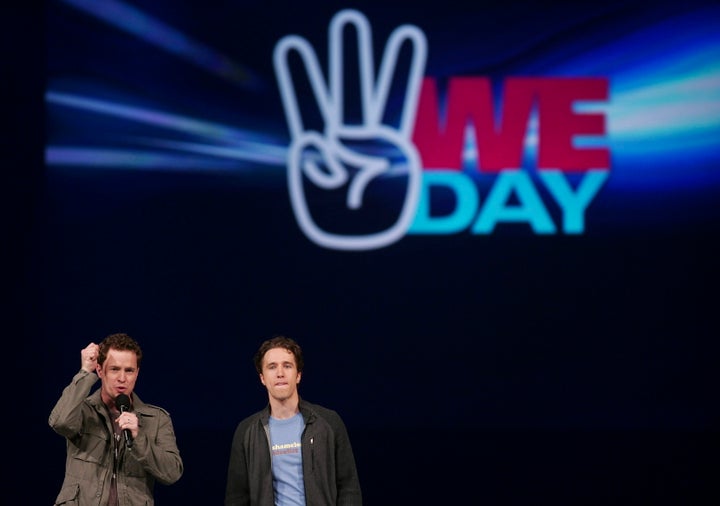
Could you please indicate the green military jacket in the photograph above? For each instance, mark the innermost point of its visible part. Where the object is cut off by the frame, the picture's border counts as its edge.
(93, 452)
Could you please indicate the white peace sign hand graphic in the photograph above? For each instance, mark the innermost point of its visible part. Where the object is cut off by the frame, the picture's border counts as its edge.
(349, 157)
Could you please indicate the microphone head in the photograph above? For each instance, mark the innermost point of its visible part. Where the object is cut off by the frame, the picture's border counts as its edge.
(122, 402)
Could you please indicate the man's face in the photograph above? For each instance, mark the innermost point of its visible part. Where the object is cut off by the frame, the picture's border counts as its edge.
(118, 373)
(279, 374)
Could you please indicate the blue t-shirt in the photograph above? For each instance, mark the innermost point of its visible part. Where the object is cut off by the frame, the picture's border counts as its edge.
(287, 469)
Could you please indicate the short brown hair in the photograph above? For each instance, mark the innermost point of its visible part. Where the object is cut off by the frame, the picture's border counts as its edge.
(279, 341)
(119, 341)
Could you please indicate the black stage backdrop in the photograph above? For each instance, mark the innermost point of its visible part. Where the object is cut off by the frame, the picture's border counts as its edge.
(148, 153)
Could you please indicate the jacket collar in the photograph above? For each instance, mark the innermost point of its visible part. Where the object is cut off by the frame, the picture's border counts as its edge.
(305, 408)
(138, 406)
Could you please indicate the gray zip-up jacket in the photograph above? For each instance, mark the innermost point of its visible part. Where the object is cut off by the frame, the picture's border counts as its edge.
(328, 462)
(85, 422)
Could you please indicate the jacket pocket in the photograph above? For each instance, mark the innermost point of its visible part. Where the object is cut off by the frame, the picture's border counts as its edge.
(68, 495)
(92, 446)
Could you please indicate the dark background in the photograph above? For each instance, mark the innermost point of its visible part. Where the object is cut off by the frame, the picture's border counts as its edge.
(500, 369)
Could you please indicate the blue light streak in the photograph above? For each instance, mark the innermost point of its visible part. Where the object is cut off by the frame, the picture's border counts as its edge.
(227, 142)
(145, 27)
(663, 116)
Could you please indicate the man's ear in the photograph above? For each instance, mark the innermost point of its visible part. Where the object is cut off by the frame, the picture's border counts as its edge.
(262, 379)
(299, 375)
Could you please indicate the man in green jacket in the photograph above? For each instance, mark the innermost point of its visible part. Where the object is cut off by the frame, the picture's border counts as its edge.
(292, 452)
(117, 446)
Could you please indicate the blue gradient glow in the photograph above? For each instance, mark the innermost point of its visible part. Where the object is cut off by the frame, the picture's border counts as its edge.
(145, 27)
(228, 143)
(663, 117)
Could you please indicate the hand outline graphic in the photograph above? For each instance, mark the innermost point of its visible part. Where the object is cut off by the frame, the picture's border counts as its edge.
(324, 158)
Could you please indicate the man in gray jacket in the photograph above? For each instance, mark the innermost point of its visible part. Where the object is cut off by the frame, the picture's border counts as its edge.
(292, 452)
(117, 446)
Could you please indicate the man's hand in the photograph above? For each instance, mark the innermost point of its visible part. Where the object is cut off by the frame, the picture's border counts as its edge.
(89, 356)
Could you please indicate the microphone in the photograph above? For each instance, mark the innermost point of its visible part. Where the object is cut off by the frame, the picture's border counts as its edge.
(123, 403)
